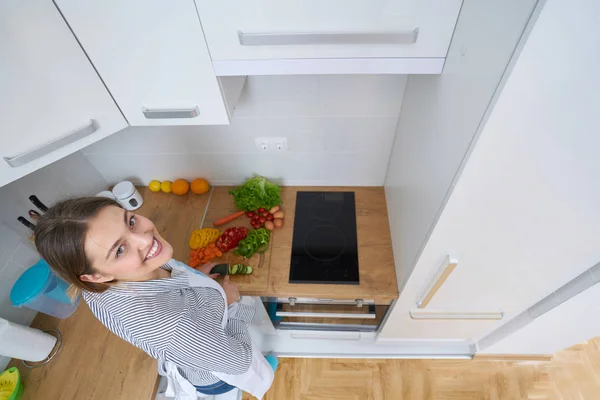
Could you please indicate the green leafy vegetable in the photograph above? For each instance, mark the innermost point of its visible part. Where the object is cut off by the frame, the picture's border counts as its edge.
(256, 193)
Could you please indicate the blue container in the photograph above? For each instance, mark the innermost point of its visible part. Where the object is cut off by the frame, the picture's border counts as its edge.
(40, 290)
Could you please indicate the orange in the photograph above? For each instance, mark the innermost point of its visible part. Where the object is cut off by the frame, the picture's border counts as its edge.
(180, 187)
(200, 186)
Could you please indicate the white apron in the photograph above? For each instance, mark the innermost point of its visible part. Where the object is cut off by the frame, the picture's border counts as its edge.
(256, 381)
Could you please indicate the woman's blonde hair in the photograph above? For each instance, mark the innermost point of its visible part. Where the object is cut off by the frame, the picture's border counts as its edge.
(60, 237)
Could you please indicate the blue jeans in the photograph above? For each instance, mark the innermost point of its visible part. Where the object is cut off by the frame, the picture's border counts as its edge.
(216, 388)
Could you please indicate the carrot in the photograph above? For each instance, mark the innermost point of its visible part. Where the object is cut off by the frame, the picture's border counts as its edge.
(212, 245)
(228, 218)
(219, 253)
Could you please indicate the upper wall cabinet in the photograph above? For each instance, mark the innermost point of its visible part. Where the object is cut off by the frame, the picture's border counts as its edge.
(334, 36)
(152, 56)
(52, 102)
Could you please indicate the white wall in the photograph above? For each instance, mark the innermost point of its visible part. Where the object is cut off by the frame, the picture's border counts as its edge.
(440, 116)
(71, 176)
(339, 128)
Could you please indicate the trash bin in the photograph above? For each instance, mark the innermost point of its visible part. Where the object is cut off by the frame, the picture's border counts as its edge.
(11, 387)
(40, 290)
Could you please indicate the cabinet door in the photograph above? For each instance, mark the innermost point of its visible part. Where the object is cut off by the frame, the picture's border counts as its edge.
(524, 217)
(271, 29)
(52, 102)
(152, 56)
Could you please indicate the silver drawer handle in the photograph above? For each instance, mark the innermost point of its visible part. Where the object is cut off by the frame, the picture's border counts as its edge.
(324, 315)
(302, 38)
(171, 113)
(48, 148)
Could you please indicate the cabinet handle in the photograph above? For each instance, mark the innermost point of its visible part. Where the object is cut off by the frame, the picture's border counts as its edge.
(166, 113)
(439, 279)
(325, 315)
(492, 314)
(312, 38)
(48, 148)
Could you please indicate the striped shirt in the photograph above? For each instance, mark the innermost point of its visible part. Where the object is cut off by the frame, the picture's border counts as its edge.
(172, 321)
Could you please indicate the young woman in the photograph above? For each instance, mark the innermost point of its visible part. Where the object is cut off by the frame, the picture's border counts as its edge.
(195, 328)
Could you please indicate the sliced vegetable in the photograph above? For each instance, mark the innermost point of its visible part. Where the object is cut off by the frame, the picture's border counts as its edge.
(203, 237)
(228, 218)
(235, 269)
(256, 241)
(230, 238)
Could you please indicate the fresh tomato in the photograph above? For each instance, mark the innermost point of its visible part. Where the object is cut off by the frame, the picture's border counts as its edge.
(270, 217)
(249, 214)
(265, 214)
(261, 210)
(262, 220)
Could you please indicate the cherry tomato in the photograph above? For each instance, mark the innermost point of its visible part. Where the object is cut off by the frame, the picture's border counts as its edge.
(270, 217)
(265, 214)
(261, 210)
(262, 220)
(250, 214)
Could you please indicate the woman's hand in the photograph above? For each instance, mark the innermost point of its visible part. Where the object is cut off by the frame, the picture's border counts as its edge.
(205, 269)
(231, 291)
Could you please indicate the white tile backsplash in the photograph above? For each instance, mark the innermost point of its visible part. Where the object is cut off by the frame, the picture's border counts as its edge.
(340, 129)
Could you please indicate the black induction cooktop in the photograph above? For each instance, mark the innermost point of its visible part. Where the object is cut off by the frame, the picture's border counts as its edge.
(324, 247)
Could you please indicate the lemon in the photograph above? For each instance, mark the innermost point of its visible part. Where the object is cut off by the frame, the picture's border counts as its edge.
(155, 186)
(166, 186)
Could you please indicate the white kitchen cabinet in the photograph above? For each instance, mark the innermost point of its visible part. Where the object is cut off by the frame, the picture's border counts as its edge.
(152, 57)
(523, 218)
(52, 102)
(267, 36)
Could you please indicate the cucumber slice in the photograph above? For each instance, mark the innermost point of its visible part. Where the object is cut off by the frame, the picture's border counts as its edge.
(233, 269)
(242, 269)
(249, 270)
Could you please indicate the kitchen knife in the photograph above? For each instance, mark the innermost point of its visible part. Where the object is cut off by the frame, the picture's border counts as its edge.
(36, 202)
(26, 223)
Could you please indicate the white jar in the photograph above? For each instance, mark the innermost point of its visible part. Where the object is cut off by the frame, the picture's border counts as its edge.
(128, 196)
(106, 193)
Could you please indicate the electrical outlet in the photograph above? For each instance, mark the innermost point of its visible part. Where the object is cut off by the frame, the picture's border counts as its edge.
(279, 144)
(262, 143)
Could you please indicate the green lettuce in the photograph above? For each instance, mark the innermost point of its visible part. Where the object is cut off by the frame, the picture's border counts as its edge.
(257, 192)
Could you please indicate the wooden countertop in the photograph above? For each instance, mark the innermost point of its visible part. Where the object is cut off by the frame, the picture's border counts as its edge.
(375, 258)
(175, 217)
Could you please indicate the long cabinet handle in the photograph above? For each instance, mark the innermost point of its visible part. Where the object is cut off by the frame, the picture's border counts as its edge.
(437, 282)
(168, 113)
(313, 38)
(489, 314)
(324, 315)
(48, 148)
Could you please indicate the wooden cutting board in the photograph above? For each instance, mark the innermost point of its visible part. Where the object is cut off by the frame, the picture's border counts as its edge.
(221, 204)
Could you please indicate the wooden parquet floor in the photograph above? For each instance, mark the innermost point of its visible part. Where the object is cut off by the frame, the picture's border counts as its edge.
(572, 374)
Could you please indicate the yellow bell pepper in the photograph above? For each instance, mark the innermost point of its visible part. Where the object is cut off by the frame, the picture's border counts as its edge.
(203, 237)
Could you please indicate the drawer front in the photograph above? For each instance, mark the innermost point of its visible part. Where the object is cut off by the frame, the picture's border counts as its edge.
(268, 29)
(152, 57)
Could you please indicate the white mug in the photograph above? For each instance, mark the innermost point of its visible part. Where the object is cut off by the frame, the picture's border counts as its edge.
(128, 196)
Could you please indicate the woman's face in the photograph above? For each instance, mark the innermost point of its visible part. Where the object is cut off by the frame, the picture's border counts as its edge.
(124, 246)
